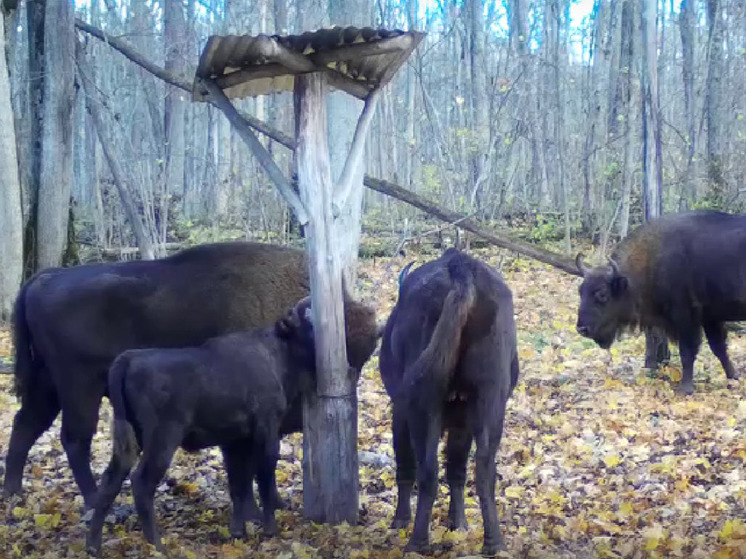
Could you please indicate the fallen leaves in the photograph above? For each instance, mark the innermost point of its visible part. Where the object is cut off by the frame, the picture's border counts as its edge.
(600, 458)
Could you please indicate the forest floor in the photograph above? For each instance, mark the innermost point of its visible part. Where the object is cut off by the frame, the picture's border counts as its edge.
(599, 459)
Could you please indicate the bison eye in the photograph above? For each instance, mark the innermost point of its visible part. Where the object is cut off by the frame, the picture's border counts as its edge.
(602, 297)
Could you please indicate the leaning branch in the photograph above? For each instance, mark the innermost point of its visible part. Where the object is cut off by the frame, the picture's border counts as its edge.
(462, 221)
(382, 186)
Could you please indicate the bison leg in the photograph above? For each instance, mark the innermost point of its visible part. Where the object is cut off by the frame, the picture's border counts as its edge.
(688, 348)
(406, 468)
(716, 338)
(265, 453)
(488, 441)
(457, 454)
(80, 404)
(111, 485)
(656, 348)
(425, 429)
(237, 457)
(158, 450)
(38, 411)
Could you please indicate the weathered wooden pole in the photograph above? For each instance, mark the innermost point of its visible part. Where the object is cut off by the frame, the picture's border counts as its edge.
(330, 469)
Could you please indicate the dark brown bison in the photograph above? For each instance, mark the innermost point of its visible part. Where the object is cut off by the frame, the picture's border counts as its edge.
(70, 324)
(232, 391)
(449, 362)
(679, 274)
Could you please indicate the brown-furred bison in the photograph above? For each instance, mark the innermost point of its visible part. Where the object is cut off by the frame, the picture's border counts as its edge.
(680, 274)
(70, 323)
(449, 362)
(232, 391)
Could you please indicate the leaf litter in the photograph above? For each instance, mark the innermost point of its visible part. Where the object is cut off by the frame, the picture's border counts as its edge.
(600, 458)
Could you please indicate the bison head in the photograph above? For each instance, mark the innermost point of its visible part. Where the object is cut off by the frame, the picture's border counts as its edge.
(604, 302)
(296, 327)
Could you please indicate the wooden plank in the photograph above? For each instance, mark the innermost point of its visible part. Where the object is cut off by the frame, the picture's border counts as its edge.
(330, 476)
(354, 159)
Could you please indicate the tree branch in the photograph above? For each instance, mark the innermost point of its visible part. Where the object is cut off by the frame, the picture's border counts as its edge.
(218, 98)
(527, 249)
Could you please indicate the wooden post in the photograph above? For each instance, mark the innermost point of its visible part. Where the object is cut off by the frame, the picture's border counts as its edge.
(330, 469)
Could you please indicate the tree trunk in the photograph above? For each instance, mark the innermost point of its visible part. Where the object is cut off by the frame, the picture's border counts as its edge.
(175, 110)
(650, 107)
(11, 220)
(330, 469)
(55, 174)
(626, 59)
(687, 25)
(713, 101)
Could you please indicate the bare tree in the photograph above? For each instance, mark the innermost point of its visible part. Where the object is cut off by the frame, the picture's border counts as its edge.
(687, 24)
(713, 99)
(11, 220)
(651, 117)
(55, 172)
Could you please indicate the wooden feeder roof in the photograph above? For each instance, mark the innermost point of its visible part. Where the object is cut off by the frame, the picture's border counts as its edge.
(355, 60)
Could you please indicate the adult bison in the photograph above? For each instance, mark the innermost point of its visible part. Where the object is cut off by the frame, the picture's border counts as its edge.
(679, 273)
(449, 362)
(70, 324)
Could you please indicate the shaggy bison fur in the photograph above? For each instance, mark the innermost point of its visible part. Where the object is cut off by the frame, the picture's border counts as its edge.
(230, 392)
(70, 323)
(679, 274)
(449, 362)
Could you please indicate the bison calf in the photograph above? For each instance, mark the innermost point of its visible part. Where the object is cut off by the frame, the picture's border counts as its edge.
(449, 362)
(230, 392)
(679, 274)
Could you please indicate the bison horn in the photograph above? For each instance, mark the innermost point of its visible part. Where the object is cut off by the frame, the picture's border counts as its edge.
(614, 266)
(582, 268)
(404, 272)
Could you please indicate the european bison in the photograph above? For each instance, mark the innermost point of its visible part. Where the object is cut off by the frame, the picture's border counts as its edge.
(230, 392)
(679, 273)
(449, 362)
(70, 324)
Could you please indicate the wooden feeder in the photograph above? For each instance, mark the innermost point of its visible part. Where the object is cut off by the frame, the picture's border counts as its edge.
(359, 62)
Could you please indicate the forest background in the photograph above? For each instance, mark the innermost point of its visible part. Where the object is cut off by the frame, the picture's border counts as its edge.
(577, 118)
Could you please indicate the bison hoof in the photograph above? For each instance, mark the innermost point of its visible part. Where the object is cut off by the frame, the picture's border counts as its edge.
(685, 388)
(399, 523)
(93, 546)
(492, 549)
(417, 546)
(270, 528)
(459, 524)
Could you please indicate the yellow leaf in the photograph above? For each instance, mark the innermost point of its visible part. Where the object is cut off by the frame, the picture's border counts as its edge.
(626, 509)
(653, 536)
(20, 512)
(46, 521)
(612, 460)
(514, 492)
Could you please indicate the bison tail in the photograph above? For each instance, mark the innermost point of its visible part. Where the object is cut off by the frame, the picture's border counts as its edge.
(436, 363)
(27, 364)
(125, 446)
